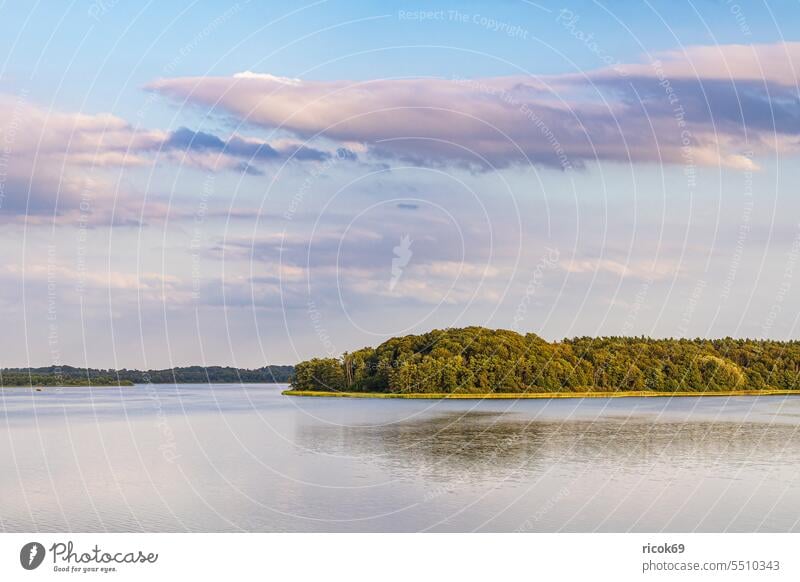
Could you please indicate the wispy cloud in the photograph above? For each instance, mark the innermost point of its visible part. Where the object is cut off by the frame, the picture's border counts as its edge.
(55, 162)
(701, 106)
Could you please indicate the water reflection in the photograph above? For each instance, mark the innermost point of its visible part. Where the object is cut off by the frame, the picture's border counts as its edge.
(247, 458)
(506, 445)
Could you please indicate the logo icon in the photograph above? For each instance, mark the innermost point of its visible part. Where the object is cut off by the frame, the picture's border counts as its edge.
(402, 255)
(31, 555)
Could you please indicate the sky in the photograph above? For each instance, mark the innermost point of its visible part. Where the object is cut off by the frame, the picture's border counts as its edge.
(258, 183)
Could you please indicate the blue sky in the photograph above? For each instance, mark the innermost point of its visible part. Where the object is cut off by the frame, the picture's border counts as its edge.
(267, 181)
(59, 50)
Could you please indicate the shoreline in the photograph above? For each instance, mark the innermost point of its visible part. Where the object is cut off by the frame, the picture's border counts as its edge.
(132, 384)
(536, 395)
(42, 387)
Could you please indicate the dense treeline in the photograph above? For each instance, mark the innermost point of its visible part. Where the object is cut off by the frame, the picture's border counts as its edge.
(71, 376)
(213, 374)
(32, 380)
(479, 360)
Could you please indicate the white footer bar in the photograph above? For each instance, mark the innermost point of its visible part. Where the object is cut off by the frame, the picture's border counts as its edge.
(389, 557)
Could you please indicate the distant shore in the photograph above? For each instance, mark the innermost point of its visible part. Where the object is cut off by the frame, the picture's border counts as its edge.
(39, 387)
(537, 395)
(65, 375)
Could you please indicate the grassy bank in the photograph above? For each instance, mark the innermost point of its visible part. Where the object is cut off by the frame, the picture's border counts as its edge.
(529, 395)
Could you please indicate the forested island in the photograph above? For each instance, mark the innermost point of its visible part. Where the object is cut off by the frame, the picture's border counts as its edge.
(72, 376)
(476, 360)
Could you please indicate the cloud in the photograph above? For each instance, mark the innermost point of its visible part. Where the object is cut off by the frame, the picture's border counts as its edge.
(357, 263)
(149, 281)
(644, 270)
(777, 63)
(184, 139)
(702, 106)
(52, 163)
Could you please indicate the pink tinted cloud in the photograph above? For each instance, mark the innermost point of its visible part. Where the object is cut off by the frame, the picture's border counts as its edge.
(629, 114)
(52, 161)
(766, 63)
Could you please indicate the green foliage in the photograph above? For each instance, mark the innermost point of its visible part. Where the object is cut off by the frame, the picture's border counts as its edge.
(319, 373)
(71, 376)
(33, 380)
(480, 360)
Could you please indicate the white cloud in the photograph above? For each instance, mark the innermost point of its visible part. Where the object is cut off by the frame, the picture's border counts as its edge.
(629, 114)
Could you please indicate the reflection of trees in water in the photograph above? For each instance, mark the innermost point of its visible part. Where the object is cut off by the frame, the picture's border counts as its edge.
(452, 446)
(471, 446)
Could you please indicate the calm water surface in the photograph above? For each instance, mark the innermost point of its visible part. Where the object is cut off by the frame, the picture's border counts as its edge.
(230, 458)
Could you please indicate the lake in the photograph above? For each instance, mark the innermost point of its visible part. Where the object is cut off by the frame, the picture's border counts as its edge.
(195, 457)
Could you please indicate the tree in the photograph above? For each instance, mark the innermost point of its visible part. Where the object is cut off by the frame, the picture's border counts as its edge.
(480, 360)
